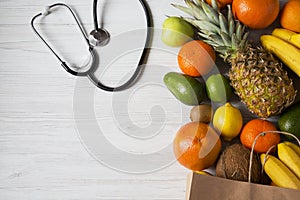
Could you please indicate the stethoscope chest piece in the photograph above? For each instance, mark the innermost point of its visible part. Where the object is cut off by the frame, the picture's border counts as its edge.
(99, 37)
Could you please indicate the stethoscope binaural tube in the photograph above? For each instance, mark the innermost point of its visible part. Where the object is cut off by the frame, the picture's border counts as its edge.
(63, 63)
(99, 37)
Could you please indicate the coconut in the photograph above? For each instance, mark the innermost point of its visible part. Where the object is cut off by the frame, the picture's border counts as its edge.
(234, 164)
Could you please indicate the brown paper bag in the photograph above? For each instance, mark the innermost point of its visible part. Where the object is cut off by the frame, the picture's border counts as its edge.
(202, 187)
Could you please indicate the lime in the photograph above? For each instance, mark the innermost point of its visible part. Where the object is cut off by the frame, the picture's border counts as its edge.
(289, 121)
(228, 121)
(218, 88)
(176, 31)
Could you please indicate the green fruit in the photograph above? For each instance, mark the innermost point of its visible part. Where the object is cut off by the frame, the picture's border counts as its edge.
(218, 88)
(289, 121)
(176, 31)
(185, 88)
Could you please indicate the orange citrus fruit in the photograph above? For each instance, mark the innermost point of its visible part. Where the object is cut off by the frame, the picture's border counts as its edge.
(290, 16)
(221, 3)
(256, 14)
(196, 58)
(254, 128)
(196, 146)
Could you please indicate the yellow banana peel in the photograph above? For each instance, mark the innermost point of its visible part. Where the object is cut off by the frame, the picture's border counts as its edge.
(295, 147)
(288, 36)
(289, 157)
(279, 173)
(295, 40)
(287, 53)
(203, 172)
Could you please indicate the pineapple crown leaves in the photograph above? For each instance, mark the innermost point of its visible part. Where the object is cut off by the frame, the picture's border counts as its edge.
(225, 34)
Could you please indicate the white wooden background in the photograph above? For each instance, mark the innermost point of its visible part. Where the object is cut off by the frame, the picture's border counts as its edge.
(42, 155)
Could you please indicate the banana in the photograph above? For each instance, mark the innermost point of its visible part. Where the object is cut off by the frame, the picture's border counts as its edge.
(288, 54)
(295, 147)
(289, 157)
(295, 40)
(203, 172)
(279, 173)
(283, 33)
(287, 35)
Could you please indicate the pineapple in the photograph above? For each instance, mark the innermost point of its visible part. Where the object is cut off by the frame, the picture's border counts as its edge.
(257, 77)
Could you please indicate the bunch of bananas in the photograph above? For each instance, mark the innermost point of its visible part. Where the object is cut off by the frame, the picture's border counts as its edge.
(285, 45)
(284, 171)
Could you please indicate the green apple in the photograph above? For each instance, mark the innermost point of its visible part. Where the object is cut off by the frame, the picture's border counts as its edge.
(176, 31)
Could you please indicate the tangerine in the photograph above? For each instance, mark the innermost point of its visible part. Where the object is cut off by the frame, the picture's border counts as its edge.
(196, 58)
(290, 16)
(197, 146)
(256, 14)
(254, 128)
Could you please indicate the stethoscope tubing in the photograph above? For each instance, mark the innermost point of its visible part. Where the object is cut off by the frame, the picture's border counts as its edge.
(90, 72)
(139, 67)
(63, 63)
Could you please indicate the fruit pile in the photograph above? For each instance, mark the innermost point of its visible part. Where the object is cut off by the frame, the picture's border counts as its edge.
(218, 136)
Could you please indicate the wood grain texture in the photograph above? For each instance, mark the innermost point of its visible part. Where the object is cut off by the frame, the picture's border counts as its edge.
(41, 154)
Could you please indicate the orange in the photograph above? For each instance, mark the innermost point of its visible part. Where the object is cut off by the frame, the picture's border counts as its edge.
(290, 16)
(196, 146)
(221, 3)
(254, 128)
(196, 58)
(256, 14)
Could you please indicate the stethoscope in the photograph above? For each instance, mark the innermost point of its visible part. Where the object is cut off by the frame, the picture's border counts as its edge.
(97, 37)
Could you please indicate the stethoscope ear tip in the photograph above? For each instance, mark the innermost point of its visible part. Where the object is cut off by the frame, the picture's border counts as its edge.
(46, 10)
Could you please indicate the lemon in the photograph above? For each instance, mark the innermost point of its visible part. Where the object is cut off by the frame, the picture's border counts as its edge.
(218, 88)
(228, 121)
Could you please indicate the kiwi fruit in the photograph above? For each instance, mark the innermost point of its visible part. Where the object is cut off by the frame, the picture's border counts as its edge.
(201, 113)
(234, 164)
